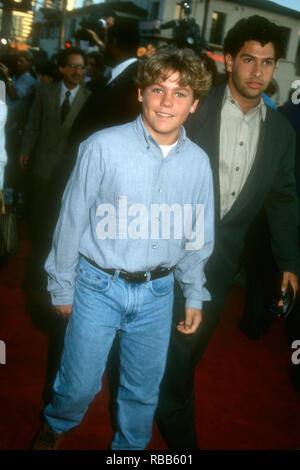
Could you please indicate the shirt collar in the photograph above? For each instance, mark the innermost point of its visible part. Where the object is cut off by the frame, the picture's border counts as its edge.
(64, 89)
(143, 131)
(118, 69)
(23, 75)
(229, 98)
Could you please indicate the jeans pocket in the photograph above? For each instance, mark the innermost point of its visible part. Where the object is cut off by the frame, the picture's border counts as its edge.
(99, 282)
(162, 286)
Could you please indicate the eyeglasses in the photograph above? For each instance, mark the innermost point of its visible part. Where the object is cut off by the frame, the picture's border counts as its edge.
(75, 66)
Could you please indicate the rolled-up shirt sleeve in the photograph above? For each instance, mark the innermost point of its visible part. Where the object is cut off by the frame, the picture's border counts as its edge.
(77, 200)
(189, 272)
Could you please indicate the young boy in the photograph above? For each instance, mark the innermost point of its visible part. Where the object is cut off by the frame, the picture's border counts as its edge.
(137, 211)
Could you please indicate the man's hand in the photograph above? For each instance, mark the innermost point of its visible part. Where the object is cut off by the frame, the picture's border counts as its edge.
(12, 92)
(287, 276)
(24, 160)
(63, 310)
(193, 318)
(96, 38)
(4, 70)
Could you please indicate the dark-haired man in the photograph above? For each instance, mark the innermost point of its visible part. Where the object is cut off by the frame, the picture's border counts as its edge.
(251, 149)
(57, 119)
(115, 102)
(52, 114)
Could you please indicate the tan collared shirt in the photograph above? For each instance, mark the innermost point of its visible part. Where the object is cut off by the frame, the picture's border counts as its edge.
(239, 135)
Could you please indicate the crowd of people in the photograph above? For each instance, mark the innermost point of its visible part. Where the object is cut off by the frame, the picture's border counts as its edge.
(87, 134)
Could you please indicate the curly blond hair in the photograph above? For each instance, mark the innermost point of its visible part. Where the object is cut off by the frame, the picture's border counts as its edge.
(168, 60)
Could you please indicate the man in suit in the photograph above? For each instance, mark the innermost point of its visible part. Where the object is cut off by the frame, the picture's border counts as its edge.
(114, 103)
(53, 112)
(251, 150)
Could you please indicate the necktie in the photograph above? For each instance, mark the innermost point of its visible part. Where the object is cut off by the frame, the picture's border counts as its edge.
(65, 107)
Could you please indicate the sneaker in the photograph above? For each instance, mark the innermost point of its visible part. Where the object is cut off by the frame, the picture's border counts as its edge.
(46, 439)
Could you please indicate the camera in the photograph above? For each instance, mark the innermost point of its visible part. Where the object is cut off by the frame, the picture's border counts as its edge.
(186, 6)
(186, 32)
(97, 25)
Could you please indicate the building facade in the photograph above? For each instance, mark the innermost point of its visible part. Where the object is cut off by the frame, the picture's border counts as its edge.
(214, 17)
(20, 27)
(50, 38)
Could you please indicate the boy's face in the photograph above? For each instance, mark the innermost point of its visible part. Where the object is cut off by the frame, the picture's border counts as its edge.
(166, 105)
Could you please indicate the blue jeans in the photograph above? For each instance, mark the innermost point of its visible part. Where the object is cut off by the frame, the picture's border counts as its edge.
(141, 315)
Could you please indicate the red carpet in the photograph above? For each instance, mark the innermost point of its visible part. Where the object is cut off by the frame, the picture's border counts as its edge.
(244, 396)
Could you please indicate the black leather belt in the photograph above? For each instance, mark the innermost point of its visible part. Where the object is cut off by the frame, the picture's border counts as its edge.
(133, 278)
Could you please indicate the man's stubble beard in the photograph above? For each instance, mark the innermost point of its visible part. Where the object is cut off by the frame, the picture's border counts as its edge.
(242, 90)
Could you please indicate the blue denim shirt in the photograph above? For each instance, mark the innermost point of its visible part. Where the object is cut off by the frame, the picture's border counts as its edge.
(25, 84)
(119, 177)
(18, 109)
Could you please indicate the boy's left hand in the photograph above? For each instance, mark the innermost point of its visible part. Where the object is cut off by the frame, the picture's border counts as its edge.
(193, 318)
(293, 278)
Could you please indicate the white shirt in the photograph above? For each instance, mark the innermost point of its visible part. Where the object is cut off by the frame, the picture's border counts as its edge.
(166, 148)
(239, 135)
(118, 69)
(64, 89)
(3, 116)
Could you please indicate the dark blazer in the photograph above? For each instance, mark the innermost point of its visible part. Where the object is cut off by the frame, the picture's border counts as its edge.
(270, 185)
(110, 105)
(44, 132)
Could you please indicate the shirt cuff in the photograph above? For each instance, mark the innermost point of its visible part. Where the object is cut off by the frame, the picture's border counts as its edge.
(190, 303)
(60, 297)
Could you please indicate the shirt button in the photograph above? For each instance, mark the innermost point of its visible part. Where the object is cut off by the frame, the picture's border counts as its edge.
(237, 168)
(232, 101)
(241, 143)
(154, 246)
(160, 190)
(233, 194)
